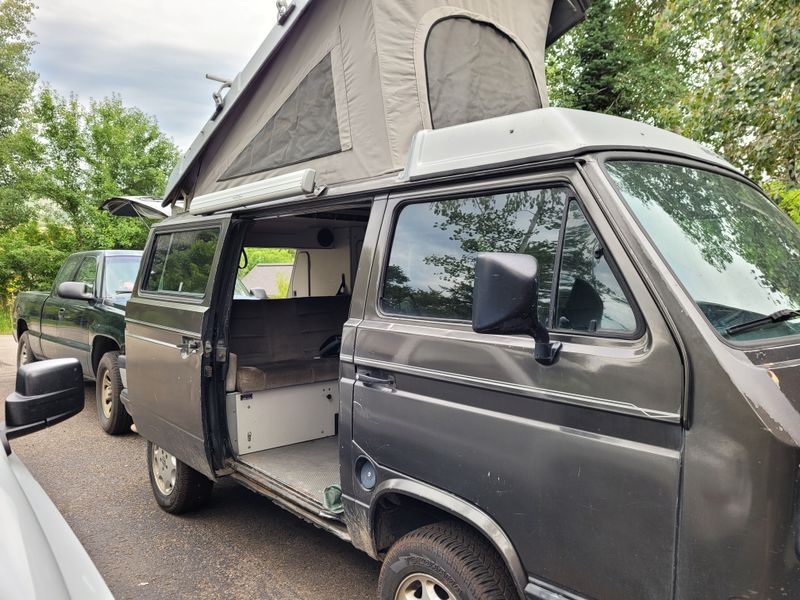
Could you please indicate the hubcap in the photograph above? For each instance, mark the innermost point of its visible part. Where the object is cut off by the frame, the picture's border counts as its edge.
(421, 586)
(164, 470)
(24, 354)
(107, 395)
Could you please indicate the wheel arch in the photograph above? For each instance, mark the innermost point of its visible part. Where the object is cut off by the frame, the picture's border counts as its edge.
(20, 327)
(100, 345)
(420, 504)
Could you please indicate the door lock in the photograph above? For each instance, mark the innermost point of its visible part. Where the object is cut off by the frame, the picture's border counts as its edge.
(189, 346)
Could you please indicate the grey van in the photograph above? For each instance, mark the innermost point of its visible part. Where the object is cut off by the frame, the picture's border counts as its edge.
(553, 355)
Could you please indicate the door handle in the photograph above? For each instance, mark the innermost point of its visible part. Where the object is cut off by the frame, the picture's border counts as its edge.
(61, 312)
(373, 381)
(189, 346)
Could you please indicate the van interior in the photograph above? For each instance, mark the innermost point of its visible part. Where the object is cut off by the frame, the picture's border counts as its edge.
(282, 392)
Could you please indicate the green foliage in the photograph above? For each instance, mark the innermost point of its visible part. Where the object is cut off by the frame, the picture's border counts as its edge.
(726, 74)
(282, 281)
(259, 256)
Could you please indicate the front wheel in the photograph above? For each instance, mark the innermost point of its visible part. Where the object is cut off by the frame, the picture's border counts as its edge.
(113, 417)
(444, 561)
(24, 353)
(176, 486)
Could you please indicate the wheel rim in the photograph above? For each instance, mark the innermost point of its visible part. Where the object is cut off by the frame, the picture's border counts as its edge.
(106, 395)
(164, 470)
(421, 586)
(24, 354)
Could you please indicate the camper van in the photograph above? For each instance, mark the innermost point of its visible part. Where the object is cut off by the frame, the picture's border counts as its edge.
(525, 352)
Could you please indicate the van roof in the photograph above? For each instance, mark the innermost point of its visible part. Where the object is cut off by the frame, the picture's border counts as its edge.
(540, 135)
(372, 54)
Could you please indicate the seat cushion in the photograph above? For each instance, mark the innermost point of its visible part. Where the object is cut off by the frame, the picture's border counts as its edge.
(286, 373)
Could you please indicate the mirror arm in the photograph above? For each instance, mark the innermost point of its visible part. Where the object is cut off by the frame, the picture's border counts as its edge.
(545, 352)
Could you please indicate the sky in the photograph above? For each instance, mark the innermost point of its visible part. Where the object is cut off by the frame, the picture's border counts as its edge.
(155, 54)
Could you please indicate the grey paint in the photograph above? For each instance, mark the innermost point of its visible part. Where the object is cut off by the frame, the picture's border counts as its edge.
(664, 465)
(40, 557)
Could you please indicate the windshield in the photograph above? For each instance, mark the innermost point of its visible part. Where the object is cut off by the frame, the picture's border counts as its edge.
(120, 275)
(734, 251)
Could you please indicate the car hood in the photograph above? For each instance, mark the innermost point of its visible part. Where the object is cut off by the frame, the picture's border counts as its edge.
(40, 557)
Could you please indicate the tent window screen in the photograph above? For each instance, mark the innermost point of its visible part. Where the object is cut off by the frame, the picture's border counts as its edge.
(304, 127)
(475, 72)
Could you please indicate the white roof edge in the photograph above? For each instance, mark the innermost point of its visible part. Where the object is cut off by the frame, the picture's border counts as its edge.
(538, 135)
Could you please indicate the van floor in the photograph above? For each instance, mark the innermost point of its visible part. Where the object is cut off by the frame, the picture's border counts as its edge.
(308, 467)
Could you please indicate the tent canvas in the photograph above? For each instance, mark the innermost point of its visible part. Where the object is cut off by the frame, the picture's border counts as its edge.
(343, 85)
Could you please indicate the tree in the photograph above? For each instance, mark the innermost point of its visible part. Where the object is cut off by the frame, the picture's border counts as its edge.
(16, 86)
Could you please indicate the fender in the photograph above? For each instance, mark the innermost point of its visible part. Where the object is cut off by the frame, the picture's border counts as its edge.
(464, 511)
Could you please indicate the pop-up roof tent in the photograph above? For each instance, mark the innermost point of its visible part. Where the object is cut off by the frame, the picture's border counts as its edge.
(341, 86)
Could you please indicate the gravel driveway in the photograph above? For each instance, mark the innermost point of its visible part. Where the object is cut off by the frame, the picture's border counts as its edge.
(240, 546)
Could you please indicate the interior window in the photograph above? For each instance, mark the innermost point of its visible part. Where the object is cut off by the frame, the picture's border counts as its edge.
(264, 273)
(589, 296)
(181, 262)
(87, 272)
(304, 127)
(432, 259)
(467, 82)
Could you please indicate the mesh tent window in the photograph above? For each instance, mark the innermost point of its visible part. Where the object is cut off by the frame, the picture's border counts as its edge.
(475, 72)
(304, 127)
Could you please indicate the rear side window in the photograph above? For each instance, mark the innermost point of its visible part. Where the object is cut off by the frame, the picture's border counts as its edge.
(181, 262)
(432, 260)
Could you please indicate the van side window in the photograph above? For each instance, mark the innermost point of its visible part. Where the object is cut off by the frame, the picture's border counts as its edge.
(432, 258)
(181, 262)
(589, 296)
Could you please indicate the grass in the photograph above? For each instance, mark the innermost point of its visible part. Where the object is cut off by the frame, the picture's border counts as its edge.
(5, 321)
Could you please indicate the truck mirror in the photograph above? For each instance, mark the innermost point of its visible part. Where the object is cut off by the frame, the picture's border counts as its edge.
(504, 298)
(75, 290)
(47, 393)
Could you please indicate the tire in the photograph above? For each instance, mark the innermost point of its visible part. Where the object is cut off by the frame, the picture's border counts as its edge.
(444, 561)
(176, 486)
(24, 354)
(111, 414)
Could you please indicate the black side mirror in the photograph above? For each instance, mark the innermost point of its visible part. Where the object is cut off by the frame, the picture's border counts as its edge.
(47, 393)
(504, 300)
(75, 290)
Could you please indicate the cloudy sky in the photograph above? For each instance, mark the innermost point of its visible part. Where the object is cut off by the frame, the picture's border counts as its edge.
(154, 53)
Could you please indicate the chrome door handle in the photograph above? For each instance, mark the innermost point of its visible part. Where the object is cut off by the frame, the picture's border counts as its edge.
(61, 312)
(371, 380)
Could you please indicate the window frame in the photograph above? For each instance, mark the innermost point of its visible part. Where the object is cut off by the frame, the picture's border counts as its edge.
(58, 281)
(473, 189)
(173, 295)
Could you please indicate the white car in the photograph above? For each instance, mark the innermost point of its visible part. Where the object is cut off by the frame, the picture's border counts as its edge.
(40, 556)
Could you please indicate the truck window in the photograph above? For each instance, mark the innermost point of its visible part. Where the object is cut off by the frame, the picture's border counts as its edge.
(589, 296)
(66, 272)
(87, 272)
(432, 259)
(120, 275)
(181, 262)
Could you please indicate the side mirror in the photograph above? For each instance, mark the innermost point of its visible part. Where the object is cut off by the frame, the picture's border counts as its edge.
(259, 293)
(47, 393)
(504, 299)
(75, 290)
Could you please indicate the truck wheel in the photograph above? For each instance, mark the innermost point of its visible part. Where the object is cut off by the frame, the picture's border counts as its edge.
(176, 486)
(444, 561)
(24, 353)
(113, 417)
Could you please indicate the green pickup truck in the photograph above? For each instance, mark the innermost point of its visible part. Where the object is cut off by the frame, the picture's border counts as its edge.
(83, 317)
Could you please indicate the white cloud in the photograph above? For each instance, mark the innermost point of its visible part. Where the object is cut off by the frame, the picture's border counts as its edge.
(153, 53)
